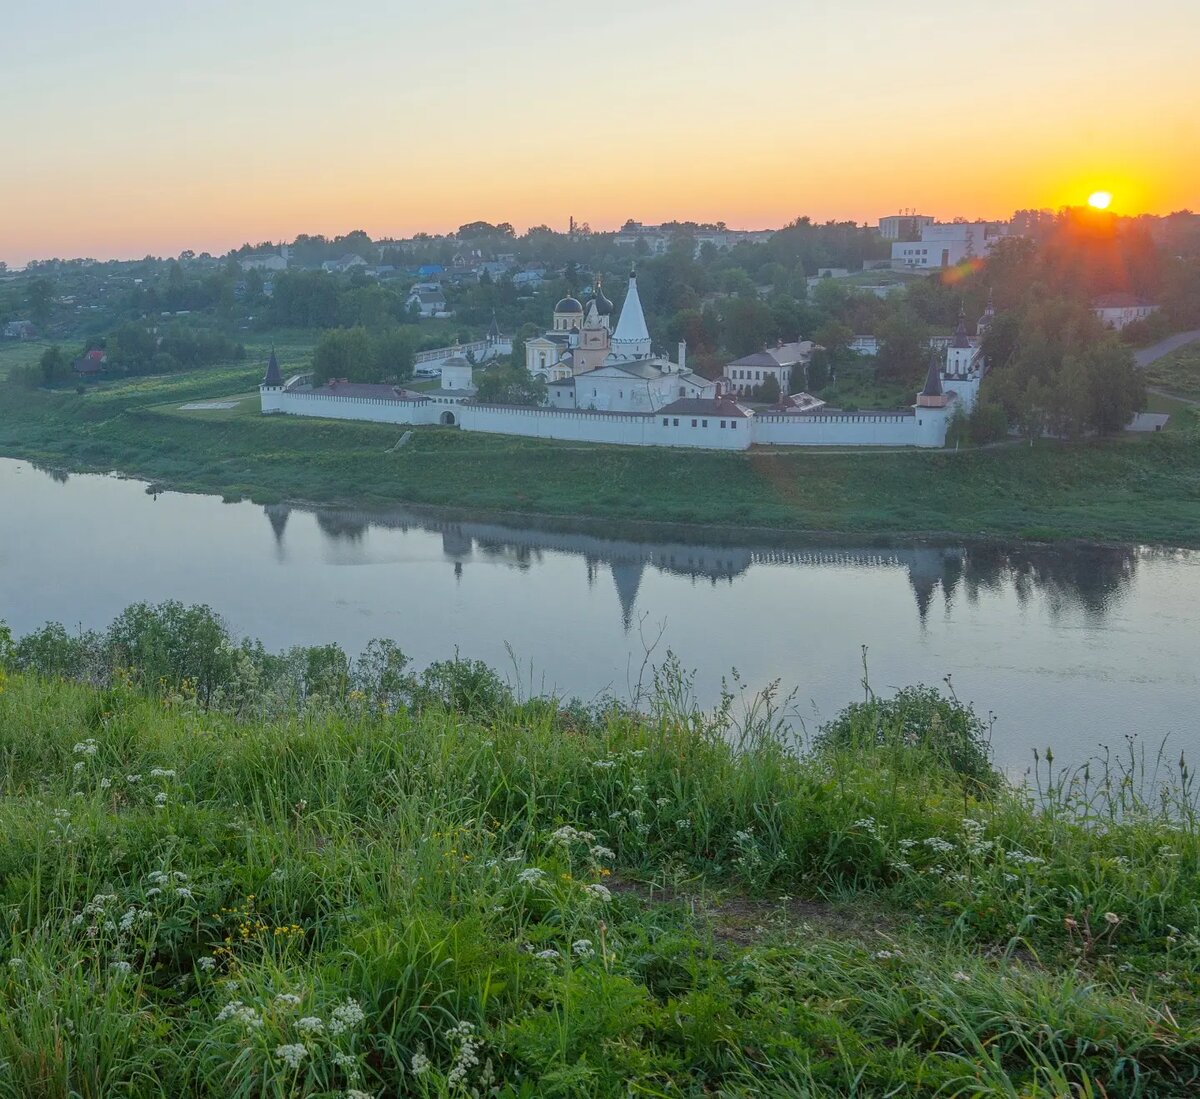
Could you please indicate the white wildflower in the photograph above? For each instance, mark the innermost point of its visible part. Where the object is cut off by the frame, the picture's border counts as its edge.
(548, 955)
(88, 747)
(310, 1024)
(345, 1016)
(582, 948)
(208, 964)
(531, 875)
(239, 1012)
(601, 891)
(105, 783)
(604, 764)
(959, 975)
(354, 1093)
(121, 967)
(184, 893)
(161, 772)
(599, 852)
(287, 999)
(291, 1054)
(160, 799)
(420, 1064)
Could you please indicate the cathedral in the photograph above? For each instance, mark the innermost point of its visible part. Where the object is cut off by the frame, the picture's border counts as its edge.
(588, 364)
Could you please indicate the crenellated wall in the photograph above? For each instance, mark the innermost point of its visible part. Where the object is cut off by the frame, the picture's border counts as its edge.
(840, 429)
(924, 427)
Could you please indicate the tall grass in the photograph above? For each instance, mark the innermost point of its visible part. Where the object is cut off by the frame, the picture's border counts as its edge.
(468, 894)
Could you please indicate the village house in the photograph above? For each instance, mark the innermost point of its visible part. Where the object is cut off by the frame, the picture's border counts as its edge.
(1119, 308)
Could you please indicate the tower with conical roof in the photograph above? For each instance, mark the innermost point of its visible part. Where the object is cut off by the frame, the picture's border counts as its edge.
(270, 392)
(961, 359)
(989, 315)
(631, 339)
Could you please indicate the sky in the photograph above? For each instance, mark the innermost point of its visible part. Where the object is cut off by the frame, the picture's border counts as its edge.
(146, 129)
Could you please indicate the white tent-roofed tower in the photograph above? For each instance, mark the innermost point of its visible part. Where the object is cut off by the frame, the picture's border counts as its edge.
(631, 340)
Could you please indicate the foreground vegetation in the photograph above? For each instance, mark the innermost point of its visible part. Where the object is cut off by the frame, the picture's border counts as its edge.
(385, 884)
(1140, 490)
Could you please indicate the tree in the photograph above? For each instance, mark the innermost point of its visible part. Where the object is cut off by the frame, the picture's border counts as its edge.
(54, 365)
(344, 353)
(749, 326)
(1115, 388)
(393, 354)
(41, 298)
(768, 392)
(835, 337)
(817, 372)
(511, 384)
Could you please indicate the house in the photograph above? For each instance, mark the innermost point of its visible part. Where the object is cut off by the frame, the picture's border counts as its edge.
(429, 270)
(784, 363)
(266, 261)
(19, 330)
(1118, 309)
(344, 263)
(530, 280)
(91, 363)
(428, 303)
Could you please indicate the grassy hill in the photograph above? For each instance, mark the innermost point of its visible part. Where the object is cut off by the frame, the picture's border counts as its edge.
(489, 895)
(1124, 490)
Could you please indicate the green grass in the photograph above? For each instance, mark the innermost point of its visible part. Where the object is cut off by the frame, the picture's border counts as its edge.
(1144, 489)
(1178, 372)
(593, 907)
(15, 353)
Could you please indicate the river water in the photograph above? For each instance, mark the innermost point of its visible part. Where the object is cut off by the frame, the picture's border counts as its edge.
(1073, 648)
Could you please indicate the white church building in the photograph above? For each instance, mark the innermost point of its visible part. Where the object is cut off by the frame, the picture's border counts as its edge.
(606, 385)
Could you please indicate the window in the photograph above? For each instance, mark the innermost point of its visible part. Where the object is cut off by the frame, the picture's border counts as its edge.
(733, 423)
(704, 423)
(722, 423)
(666, 423)
(675, 422)
(693, 423)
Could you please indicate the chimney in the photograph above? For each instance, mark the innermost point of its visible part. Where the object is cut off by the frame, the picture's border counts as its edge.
(682, 354)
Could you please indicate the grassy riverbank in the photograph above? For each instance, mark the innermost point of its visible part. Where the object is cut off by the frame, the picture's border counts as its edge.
(482, 893)
(1127, 490)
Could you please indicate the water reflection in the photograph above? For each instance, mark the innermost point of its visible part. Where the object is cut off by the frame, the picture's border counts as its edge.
(1078, 579)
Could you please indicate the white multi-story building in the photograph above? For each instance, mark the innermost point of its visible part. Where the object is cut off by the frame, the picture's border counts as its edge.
(903, 226)
(784, 363)
(947, 245)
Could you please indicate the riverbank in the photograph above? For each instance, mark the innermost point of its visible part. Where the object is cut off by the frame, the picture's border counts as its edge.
(1128, 490)
(424, 890)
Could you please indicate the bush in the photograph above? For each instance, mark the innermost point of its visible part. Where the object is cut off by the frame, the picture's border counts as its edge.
(918, 719)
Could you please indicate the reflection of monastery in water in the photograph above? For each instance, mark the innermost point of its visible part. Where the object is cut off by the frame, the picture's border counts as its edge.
(1086, 579)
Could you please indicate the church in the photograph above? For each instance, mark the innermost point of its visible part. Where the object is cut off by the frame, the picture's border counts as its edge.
(588, 364)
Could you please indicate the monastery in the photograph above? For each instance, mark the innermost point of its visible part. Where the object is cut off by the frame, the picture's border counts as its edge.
(607, 385)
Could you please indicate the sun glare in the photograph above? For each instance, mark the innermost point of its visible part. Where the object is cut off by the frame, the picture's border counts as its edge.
(1100, 200)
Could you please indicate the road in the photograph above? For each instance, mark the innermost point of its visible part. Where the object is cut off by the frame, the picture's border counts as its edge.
(1147, 355)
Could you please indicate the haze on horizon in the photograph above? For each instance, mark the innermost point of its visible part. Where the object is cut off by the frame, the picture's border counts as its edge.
(223, 123)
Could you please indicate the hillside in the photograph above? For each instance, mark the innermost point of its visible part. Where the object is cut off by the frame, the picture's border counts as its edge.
(481, 897)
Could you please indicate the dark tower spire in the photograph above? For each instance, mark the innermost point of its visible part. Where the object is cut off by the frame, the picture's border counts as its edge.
(933, 377)
(274, 377)
(961, 339)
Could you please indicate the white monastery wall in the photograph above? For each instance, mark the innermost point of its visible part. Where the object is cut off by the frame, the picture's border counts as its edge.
(864, 429)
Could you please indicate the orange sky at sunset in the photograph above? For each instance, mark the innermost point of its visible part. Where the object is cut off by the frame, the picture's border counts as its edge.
(237, 123)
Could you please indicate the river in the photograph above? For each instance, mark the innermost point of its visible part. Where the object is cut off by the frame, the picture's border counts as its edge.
(1073, 648)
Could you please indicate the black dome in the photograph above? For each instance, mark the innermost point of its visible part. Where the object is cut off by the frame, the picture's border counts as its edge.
(604, 307)
(568, 305)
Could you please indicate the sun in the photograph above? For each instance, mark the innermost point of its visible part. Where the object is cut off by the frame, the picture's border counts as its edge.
(1100, 200)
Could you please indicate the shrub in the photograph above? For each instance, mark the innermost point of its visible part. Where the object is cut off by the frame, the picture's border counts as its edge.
(921, 719)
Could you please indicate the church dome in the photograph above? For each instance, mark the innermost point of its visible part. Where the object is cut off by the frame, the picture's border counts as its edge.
(569, 305)
(604, 307)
